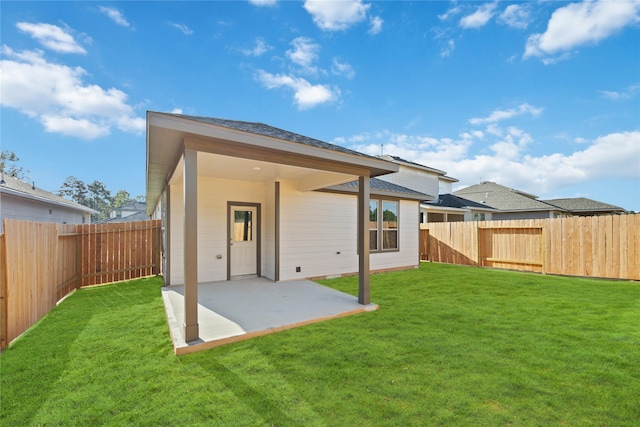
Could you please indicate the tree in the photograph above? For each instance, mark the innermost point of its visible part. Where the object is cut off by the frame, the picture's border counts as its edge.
(75, 189)
(95, 195)
(100, 198)
(121, 198)
(8, 165)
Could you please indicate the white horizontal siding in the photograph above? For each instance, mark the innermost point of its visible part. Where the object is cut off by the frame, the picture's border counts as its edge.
(319, 235)
(408, 253)
(33, 210)
(414, 179)
(213, 195)
(317, 231)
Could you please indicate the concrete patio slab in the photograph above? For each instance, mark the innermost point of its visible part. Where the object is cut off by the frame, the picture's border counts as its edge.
(237, 310)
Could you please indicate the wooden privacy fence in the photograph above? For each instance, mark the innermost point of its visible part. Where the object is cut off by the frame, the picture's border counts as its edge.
(596, 246)
(40, 263)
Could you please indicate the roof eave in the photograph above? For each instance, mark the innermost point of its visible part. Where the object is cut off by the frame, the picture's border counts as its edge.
(159, 168)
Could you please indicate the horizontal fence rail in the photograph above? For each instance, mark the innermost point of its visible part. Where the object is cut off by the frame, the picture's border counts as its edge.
(597, 246)
(41, 263)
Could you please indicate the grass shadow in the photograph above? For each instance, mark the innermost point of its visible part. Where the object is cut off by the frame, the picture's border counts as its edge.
(32, 366)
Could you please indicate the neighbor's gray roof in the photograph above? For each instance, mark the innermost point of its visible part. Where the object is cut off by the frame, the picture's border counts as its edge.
(379, 186)
(504, 198)
(17, 187)
(132, 206)
(453, 201)
(138, 216)
(266, 130)
(582, 204)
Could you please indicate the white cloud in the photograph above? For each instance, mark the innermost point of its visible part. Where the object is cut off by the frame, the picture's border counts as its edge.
(375, 25)
(582, 23)
(627, 93)
(612, 156)
(52, 37)
(342, 69)
(305, 95)
(480, 17)
(449, 13)
(499, 115)
(185, 30)
(263, 3)
(261, 47)
(336, 15)
(448, 49)
(304, 52)
(515, 16)
(57, 96)
(115, 15)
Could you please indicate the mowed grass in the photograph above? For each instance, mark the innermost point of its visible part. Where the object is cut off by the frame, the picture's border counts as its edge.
(449, 345)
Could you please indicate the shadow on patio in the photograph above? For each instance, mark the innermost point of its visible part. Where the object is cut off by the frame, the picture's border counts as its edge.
(237, 310)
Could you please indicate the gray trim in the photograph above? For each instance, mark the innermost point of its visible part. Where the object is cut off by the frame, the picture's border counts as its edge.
(380, 230)
(258, 235)
(277, 232)
(190, 182)
(167, 249)
(363, 241)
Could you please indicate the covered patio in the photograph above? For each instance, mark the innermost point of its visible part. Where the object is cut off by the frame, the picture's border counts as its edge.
(226, 314)
(203, 172)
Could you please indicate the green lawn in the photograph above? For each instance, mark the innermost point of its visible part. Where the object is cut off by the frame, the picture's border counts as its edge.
(449, 345)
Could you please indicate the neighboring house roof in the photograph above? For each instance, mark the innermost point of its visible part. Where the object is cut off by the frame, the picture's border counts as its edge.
(583, 205)
(381, 188)
(503, 198)
(138, 216)
(402, 161)
(16, 187)
(132, 206)
(453, 201)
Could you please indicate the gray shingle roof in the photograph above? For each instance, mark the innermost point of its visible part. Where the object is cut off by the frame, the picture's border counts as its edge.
(582, 204)
(18, 187)
(453, 201)
(138, 216)
(503, 198)
(266, 130)
(378, 185)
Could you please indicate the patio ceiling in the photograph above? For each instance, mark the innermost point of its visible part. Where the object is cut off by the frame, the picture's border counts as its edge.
(235, 168)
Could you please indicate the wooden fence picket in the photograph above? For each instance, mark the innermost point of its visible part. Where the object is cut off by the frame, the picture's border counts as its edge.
(598, 246)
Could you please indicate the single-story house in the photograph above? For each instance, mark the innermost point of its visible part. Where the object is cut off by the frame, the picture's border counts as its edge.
(241, 199)
(510, 203)
(22, 200)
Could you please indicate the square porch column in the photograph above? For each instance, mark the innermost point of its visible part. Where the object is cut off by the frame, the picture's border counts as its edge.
(364, 193)
(190, 181)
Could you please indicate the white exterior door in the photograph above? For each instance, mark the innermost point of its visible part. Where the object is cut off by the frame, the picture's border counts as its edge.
(243, 248)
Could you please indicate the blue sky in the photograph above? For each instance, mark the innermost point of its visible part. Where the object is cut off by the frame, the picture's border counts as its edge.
(542, 96)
